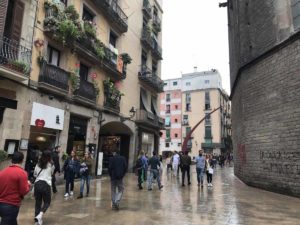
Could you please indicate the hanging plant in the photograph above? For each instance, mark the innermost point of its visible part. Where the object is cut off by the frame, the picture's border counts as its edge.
(126, 58)
(96, 87)
(90, 29)
(71, 13)
(67, 32)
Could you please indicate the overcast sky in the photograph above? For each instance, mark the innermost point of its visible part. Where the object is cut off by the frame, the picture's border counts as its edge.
(195, 34)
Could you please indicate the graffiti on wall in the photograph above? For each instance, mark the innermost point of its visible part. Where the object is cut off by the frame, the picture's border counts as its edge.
(280, 162)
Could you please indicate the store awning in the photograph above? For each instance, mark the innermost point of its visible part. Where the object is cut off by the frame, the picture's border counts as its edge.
(8, 103)
(145, 101)
(154, 105)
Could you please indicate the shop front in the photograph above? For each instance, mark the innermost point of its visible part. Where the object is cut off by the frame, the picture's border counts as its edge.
(113, 136)
(45, 126)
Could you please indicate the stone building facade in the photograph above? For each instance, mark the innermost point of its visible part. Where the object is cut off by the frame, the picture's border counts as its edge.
(264, 41)
(80, 74)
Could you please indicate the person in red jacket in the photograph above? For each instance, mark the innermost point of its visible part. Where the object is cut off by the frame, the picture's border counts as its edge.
(14, 186)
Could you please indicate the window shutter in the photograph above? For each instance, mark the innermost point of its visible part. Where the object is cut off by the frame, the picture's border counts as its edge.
(3, 10)
(17, 20)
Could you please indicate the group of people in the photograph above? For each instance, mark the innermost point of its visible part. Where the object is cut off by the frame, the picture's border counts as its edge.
(15, 183)
(205, 164)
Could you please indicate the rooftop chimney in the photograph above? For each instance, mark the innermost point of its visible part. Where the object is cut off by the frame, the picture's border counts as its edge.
(195, 69)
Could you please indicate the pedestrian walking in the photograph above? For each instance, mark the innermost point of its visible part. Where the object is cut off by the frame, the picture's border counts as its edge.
(117, 169)
(55, 159)
(169, 164)
(175, 163)
(85, 172)
(209, 169)
(71, 168)
(14, 186)
(140, 170)
(200, 167)
(42, 186)
(186, 162)
(154, 164)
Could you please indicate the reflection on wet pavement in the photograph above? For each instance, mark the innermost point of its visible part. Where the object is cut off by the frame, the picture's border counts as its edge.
(229, 201)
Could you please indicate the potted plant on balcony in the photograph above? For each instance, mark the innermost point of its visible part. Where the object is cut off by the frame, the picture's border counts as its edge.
(3, 155)
(126, 60)
(75, 78)
(67, 32)
(89, 29)
(19, 66)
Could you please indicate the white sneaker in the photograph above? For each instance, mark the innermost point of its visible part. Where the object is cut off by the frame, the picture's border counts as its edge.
(66, 195)
(71, 193)
(38, 220)
(211, 184)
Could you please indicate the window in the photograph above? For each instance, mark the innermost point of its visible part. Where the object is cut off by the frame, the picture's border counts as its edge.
(176, 106)
(167, 145)
(185, 120)
(176, 120)
(113, 39)
(87, 15)
(175, 83)
(144, 60)
(188, 97)
(168, 109)
(208, 132)
(188, 84)
(84, 72)
(207, 101)
(176, 135)
(167, 121)
(296, 13)
(53, 56)
(165, 84)
(154, 67)
(187, 130)
(65, 2)
(168, 97)
(167, 134)
(207, 118)
(188, 107)
(206, 81)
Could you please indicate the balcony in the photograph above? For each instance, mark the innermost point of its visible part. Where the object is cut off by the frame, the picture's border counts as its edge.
(114, 14)
(212, 145)
(54, 79)
(144, 117)
(110, 63)
(168, 125)
(156, 49)
(185, 122)
(147, 9)
(86, 93)
(168, 139)
(156, 23)
(112, 99)
(151, 79)
(15, 60)
(189, 144)
(146, 38)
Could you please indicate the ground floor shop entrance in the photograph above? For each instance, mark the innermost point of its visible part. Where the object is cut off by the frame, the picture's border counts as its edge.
(77, 135)
(113, 136)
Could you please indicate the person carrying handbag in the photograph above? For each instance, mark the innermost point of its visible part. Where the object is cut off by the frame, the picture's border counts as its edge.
(42, 186)
(209, 170)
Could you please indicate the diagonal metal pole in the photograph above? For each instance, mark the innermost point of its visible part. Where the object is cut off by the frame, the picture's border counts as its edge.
(184, 145)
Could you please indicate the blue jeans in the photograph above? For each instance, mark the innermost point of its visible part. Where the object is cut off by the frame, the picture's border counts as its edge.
(153, 173)
(117, 189)
(87, 180)
(8, 214)
(200, 175)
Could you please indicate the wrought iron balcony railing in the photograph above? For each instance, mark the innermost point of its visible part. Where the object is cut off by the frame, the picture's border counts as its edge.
(86, 91)
(114, 13)
(145, 117)
(151, 79)
(147, 9)
(110, 62)
(156, 49)
(185, 122)
(146, 38)
(168, 139)
(54, 79)
(14, 57)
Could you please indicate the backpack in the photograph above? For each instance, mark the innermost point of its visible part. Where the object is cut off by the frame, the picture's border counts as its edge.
(139, 163)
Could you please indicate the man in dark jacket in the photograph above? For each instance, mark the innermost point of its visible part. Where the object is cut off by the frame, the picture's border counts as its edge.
(55, 158)
(185, 167)
(117, 169)
(154, 165)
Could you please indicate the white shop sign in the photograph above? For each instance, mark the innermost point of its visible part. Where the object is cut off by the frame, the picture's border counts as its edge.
(53, 117)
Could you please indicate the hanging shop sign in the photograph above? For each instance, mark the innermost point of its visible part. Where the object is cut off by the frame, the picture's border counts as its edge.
(47, 116)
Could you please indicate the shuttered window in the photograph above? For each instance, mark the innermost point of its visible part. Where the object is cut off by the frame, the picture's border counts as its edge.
(3, 10)
(17, 22)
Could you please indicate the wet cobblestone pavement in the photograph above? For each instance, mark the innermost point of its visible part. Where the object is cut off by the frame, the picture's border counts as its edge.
(229, 201)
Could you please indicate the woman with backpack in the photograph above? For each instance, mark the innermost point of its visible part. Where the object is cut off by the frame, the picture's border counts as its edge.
(85, 174)
(71, 168)
(42, 186)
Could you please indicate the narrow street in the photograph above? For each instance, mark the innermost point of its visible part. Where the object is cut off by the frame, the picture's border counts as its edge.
(229, 201)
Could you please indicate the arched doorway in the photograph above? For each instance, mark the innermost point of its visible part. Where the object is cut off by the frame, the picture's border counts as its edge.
(113, 136)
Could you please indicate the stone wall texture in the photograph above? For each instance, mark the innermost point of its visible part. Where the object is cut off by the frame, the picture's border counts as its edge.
(265, 97)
